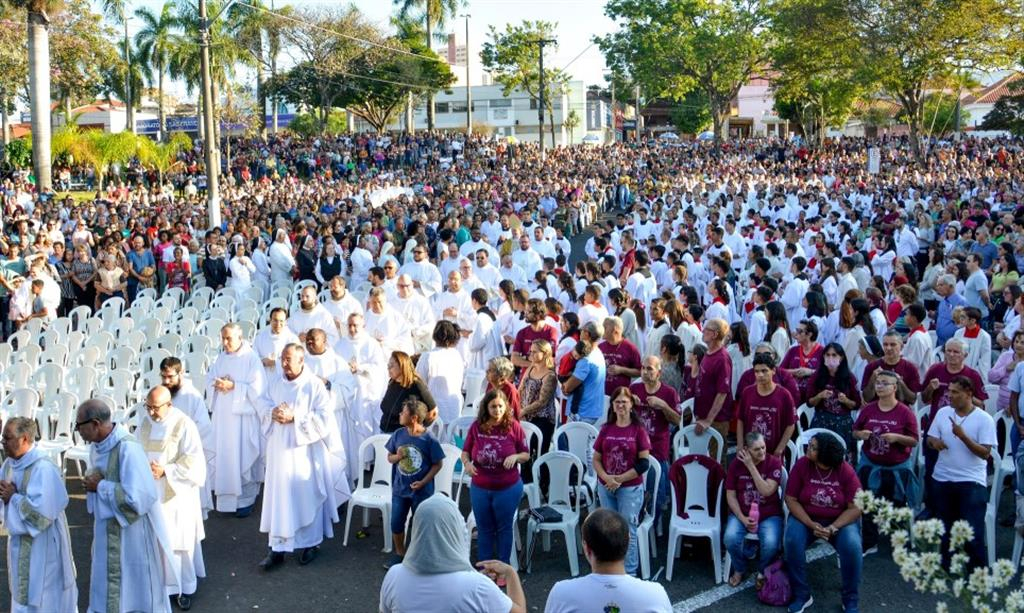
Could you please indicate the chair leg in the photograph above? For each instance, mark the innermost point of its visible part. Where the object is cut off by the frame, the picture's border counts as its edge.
(530, 536)
(386, 518)
(670, 553)
(547, 540)
(348, 524)
(1018, 545)
(366, 518)
(645, 553)
(716, 554)
(570, 547)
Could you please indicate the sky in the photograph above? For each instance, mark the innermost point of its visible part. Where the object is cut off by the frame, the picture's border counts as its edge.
(578, 21)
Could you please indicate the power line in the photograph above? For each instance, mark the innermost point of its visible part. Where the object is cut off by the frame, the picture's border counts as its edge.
(578, 56)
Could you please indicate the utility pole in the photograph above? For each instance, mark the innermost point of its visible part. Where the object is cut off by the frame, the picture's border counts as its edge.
(615, 127)
(540, 102)
(209, 146)
(469, 94)
(638, 120)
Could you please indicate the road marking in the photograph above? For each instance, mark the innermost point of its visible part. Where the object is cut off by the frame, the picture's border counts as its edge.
(721, 592)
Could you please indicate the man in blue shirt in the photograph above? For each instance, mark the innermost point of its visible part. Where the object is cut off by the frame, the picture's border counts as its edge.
(139, 259)
(945, 328)
(986, 249)
(587, 381)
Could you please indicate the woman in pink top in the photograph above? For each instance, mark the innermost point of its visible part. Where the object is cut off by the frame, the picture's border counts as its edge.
(495, 446)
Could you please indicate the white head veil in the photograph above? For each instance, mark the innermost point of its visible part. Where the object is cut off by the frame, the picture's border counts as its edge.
(438, 543)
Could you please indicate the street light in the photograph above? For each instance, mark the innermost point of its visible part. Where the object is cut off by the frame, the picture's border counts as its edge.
(209, 154)
(469, 96)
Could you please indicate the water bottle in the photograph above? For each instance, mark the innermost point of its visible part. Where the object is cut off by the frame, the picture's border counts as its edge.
(754, 514)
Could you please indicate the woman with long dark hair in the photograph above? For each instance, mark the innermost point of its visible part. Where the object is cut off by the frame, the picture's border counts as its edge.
(739, 352)
(673, 363)
(778, 327)
(863, 325)
(834, 394)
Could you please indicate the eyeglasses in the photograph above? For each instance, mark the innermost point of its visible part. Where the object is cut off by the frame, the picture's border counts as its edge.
(156, 407)
(79, 424)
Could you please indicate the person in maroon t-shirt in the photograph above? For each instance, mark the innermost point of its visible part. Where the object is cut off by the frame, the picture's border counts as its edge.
(803, 359)
(936, 380)
(834, 395)
(712, 396)
(500, 373)
(753, 476)
(621, 357)
(781, 377)
(535, 314)
(766, 408)
(892, 361)
(657, 409)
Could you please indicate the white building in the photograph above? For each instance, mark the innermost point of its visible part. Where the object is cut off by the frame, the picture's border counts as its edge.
(107, 116)
(515, 115)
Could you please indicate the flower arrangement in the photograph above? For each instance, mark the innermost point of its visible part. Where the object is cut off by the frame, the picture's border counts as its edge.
(917, 551)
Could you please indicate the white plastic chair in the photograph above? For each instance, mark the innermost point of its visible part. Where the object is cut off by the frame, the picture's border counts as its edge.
(805, 438)
(687, 441)
(81, 381)
(29, 354)
(119, 386)
(804, 418)
(169, 342)
(377, 493)
(55, 353)
(437, 429)
(445, 478)
(475, 382)
(111, 311)
(995, 489)
(78, 316)
(150, 360)
(702, 517)
(121, 328)
(579, 438)
(146, 293)
(992, 404)
(201, 298)
(151, 327)
(560, 497)
(122, 358)
(455, 433)
(17, 375)
(20, 339)
(48, 380)
(1004, 426)
(177, 294)
(103, 340)
(6, 354)
(21, 402)
(648, 546)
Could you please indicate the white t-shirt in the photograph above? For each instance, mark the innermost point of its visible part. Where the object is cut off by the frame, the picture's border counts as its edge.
(956, 463)
(607, 593)
(460, 592)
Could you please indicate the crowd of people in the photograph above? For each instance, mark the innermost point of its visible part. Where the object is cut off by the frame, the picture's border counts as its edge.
(734, 289)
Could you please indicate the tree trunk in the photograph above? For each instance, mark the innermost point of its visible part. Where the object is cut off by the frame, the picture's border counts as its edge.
(39, 90)
(160, 104)
(273, 98)
(430, 95)
(200, 127)
(128, 76)
(551, 122)
(410, 120)
(5, 125)
(261, 93)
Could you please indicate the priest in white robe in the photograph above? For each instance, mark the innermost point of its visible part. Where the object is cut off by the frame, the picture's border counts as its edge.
(311, 314)
(386, 325)
(362, 262)
(270, 341)
(365, 361)
(41, 571)
(189, 400)
(321, 360)
(340, 303)
(306, 480)
(417, 311)
(527, 258)
(454, 305)
(234, 385)
(282, 262)
(485, 341)
(513, 272)
(426, 277)
(176, 459)
(132, 560)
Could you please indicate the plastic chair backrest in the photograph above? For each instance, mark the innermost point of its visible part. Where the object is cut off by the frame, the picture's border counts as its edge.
(688, 441)
(457, 429)
(381, 467)
(560, 485)
(697, 489)
(18, 374)
(652, 480)
(805, 438)
(78, 316)
(436, 429)
(20, 339)
(444, 479)
(28, 354)
(475, 381)
(24, 402)
(996, 487)
(579, 438)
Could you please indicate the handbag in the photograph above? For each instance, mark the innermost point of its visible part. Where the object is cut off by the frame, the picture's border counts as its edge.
(776, 590)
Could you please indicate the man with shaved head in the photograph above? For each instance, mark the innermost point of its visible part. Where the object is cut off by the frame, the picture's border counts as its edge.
(32, 503)
(132, 562)
(176, 459)
(416, 310)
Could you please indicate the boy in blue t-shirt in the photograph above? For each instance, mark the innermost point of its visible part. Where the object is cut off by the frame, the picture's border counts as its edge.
(417, 458)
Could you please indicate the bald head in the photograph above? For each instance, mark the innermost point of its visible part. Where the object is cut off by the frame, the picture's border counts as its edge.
(158, 402)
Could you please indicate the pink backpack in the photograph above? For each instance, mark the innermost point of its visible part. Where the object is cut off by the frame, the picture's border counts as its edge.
(775, 591)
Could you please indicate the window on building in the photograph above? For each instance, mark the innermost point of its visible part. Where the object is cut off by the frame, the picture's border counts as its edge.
(442, 107)
(501, 103)
(457, 107)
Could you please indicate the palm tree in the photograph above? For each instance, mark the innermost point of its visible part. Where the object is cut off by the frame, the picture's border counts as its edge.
(153, 46)
(435, 13)
(252, 24)
(39, 12)
(114, 9)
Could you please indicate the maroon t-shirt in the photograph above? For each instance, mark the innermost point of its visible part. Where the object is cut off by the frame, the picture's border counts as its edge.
(781, 378)
(624, 354)
(908, 372)
(620, 448)
(738, 479)
(526, 336)
(824, 494)
(769, 415)
(796, 359)
(940, 397)
(653, 420)
(715, 377)
(832, 405)
(900, 419)
(488, 451)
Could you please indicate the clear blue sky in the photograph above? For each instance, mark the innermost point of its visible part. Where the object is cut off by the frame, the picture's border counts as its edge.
(578, 21)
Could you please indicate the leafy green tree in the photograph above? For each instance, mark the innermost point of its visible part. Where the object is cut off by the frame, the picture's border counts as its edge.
(436, 13)
(571, 122)
(1008, 111)
(513, 58)
(82, 55)
(693, 113)
(19, 152)
(13, 67)
(307, 125)
(153, 43)
(163, 157)
(939, 114)
(116, 10)
(672, 47)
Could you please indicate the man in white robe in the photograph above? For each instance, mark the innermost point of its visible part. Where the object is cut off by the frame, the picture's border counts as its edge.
(340, 303)
(484, 342)
(477, 243)
(132, 560)
(417, 311)
(426, 277)
(360, 411)
(321, 360)
(306, 480)
(189, 400)
(449, 259)
(41, 571)
(176, 459)
(362, 262)
(311, 314)
(514, 273)
(454, 305)
(270, 341)
(386, 325)
(282, 262)
(485, 271)
(234, 385)
(527, 258)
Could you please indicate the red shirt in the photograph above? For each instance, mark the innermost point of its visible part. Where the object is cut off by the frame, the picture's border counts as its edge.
(624, 354)
(940, 397)
(620, 448)
(900, 419)
(795, 358)
(824, 494)
(512, 393)
(832, 405)
(739, 480)
(781, 378)
(653, 420)
(715, 377)
(908, 372)
(526, 336)
(488, 451)
(769, 415)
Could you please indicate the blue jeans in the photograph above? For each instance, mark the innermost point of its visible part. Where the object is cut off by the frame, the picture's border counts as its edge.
(769, 533)
(401, 506)
(964, 500)
(848, 546)
(627, 501)
(495, 513)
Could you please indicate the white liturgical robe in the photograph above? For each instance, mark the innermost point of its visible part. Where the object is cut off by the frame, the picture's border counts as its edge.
(132, 561)
(359, 413)
(281, 263)
(417, 311)
(190, 401)
(306, 480)
(362, 262)
(341, 309)
(426, 274)
(174, 443)
(40, 571)
(238, 456)
(269, 346)
(485, 342)
(390, 329)
(301, 321)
